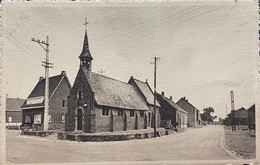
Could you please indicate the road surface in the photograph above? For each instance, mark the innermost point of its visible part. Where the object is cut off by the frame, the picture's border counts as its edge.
(194, 144)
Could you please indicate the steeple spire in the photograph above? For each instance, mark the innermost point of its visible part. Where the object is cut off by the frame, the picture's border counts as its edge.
(85, 56)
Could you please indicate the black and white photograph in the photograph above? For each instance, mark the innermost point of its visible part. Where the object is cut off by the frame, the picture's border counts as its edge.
(130, 83)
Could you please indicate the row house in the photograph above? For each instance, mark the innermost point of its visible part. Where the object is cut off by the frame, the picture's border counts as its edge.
(170, 111)
(14, 111)
(33, 106)
(193, 112)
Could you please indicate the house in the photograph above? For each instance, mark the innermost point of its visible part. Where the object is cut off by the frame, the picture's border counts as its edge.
(251, 117)
(193, 112)
(98, 103)
(33, 107)
(14, 111)
(239, 117)
(145, 91)
(171, 111)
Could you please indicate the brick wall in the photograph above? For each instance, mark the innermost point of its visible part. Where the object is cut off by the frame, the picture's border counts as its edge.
(15, 115)
(191, 112)
(56, 108)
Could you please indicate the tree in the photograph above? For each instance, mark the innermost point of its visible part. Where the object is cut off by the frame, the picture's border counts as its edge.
(206, 116)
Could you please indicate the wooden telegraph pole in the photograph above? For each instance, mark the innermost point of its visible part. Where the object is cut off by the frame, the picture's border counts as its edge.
(232, 111)
(155, 63)
(47, 65)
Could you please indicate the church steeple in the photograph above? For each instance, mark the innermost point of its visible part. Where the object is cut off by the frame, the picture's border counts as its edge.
(85, 56)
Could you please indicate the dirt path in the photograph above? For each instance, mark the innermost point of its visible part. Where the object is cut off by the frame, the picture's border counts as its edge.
(195, 144)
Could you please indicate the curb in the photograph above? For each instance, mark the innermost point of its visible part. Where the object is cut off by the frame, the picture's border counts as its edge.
(230, 151)
(234, 152)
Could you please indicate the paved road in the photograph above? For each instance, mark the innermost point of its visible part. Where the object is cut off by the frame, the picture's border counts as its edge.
(194, 144)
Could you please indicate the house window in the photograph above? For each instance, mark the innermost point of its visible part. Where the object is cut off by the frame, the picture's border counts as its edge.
(63, 118)
(49, 118)
(79, 94)
(27, 119)
(120, 112)
(105, 112)
(141, 113)
(37, 119)
(63, 103)
(10, 119)
(132, 113)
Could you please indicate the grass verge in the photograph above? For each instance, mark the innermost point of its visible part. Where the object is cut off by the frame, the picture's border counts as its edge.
(242, 142)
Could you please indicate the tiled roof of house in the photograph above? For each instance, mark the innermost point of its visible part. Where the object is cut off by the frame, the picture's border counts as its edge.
(146, 91)
(252, 108)
(39, 89)
(185, 101)
(14, 104)
(114, 93)
(170, 102)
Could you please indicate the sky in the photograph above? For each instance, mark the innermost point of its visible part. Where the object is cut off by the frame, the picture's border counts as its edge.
(206, 50)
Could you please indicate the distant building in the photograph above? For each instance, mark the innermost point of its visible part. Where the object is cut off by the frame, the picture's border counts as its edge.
(14, 111)
(239, 117)
(251, 117)
(101, 104)
(147, 95)
(33, 107)
(171, 111)
(193, 112)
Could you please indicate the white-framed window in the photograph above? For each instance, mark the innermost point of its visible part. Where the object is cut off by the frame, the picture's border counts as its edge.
(9, 119)
(132, 113)
(105, 112)
(35, 100)
(79, 95)
(49, 118)
(37, 119)
(27, 119)
(63, 118)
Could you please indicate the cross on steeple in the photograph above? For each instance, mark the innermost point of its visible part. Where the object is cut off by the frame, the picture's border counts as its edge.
(86, 23)
(85, 56)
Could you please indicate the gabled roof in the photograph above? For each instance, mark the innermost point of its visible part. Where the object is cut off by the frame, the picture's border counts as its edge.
(39, 89)
(14, 104)
(114, 93)
(145, 90)
(164, 99)
(184, 100)
(252, 108)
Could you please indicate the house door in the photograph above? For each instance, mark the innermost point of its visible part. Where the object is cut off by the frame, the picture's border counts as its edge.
(79, 119)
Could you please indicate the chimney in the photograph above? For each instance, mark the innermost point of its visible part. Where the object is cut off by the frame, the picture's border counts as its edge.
(63, 72)
(131, 77)
(163, 93)
(171, 97)
(6, 95)
(146, 80)
(41, 78)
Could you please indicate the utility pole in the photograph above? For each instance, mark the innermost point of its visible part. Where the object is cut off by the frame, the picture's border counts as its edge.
(155, 125)
(101, 71)
(47, 65)
(232, 111)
